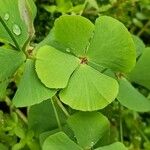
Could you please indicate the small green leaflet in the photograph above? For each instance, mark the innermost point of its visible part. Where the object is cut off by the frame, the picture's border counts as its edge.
(114, 146)
(40, 124)
(93, 124)
(78, 33)
(112, 45)
(10, 61)
(139, 44)
(31, 91)
(59, 66)
(3, 86)
(141, 72)
(95, 90)
(59, 141)
(129, 97)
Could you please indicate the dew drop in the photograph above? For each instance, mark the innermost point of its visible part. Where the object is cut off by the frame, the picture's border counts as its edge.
(92, 143)
(68, 50)
(6, 17)
(16, 29)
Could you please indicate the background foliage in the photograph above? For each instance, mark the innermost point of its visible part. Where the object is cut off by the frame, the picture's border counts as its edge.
(128, 126)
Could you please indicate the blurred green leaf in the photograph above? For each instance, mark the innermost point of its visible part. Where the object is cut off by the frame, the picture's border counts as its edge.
(59, 141)
(139, 44)
(114, 146)
(42, 118)
(93, 124)
(3, 147)
(141, 74)
(129, 97)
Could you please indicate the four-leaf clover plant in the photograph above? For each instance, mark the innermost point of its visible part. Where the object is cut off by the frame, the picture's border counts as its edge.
(76, 67)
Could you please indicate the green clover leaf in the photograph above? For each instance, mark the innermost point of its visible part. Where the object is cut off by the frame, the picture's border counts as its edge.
(60, 141)
(128, 96)
(140, 74)
(16, 21)
(10, 58)
(92, 123)
(30, 90)
(84, 47)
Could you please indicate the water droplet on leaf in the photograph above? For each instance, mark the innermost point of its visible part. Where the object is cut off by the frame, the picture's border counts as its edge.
(92, 143)
(16, 29)
(6, 17)
(68, 50)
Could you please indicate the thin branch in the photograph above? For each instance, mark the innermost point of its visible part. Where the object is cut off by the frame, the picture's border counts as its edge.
(142, 133)
(22, 116)
(62, 107)
(143, 29)
(18, 112)
(56, 114)
(120, 123)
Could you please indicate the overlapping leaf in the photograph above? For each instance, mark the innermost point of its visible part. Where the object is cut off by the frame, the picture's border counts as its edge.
(54, 68)
(112, 45)
(3, 86)
(31, 90)
(10, 60)
(139, 44)
(114, 146)
(141, 73)
(74, 32)
(95, 90)
(129, 97)
(93, 124)
(41, 117)
(59, 141)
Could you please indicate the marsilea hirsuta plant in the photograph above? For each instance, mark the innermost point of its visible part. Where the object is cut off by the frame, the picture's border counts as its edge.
(76, 69)
(76, 65)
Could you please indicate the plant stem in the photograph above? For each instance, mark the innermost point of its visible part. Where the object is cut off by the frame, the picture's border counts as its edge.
(56, 114)
(10, 33)
(144, 28)
(120, 123)
(133, 29)
(22, 116)
(62, 107)
(142, 134)
(18, 112)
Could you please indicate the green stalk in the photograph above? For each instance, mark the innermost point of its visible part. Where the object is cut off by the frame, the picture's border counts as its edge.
(18, 112)
(62, 107)
(120, 123)
(142, 133)
(56, 114)
(10, 33)
(143, 29)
